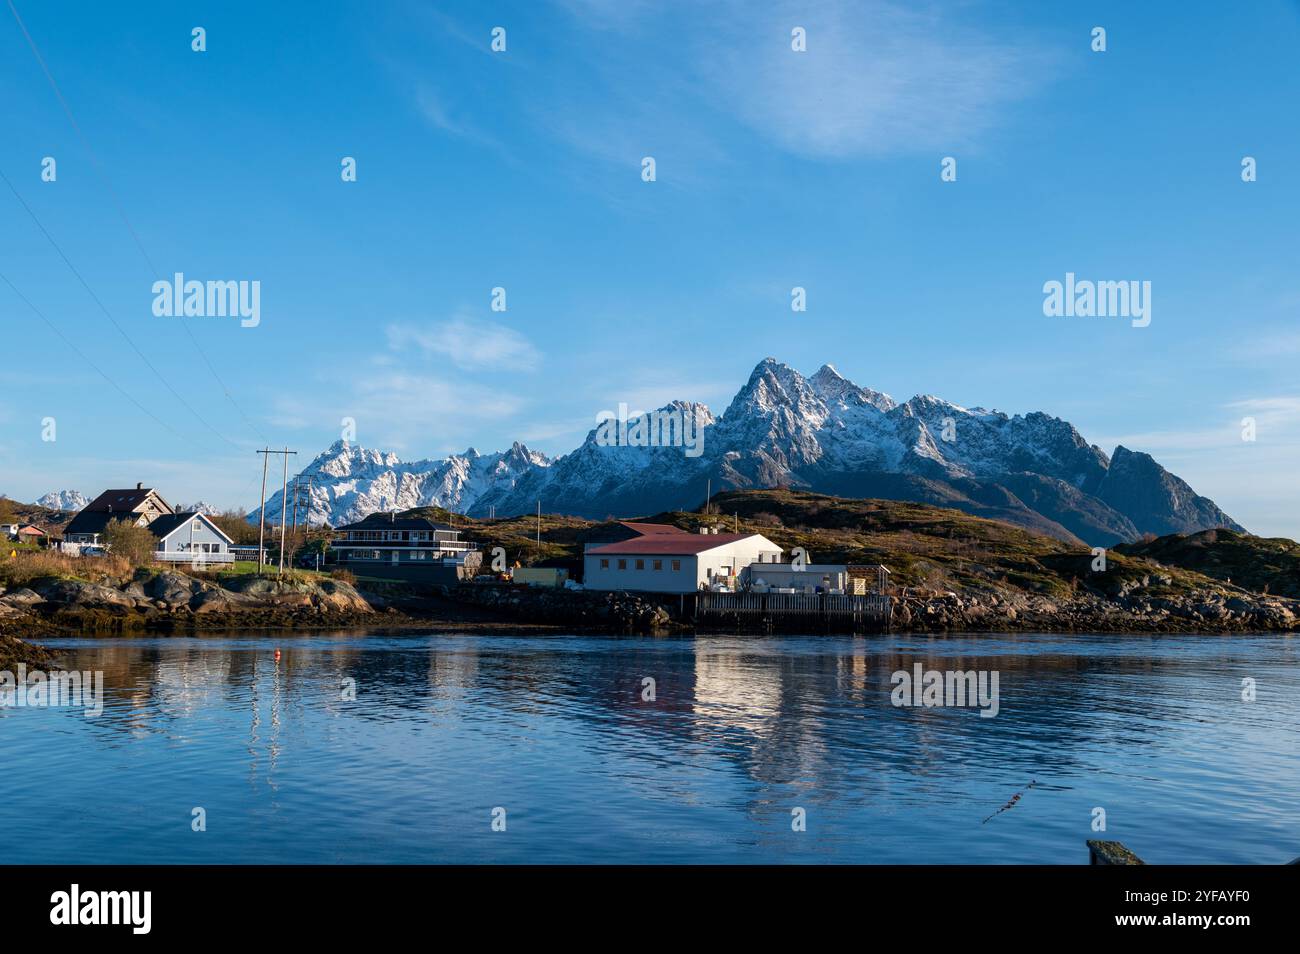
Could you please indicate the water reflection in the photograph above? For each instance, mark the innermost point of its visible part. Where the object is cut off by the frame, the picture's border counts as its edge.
(741, 729)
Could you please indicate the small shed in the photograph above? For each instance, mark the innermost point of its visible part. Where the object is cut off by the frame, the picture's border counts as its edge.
(551, 576)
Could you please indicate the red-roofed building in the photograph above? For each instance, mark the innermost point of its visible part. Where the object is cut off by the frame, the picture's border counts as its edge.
(628, 530)
(674, 562)
(23, 532)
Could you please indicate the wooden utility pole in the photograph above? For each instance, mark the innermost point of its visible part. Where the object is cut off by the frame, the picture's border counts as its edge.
(261, 512)
(708, 496)
(284, 491)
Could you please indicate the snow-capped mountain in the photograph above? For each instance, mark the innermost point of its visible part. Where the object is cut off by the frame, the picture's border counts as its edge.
(200, 507)
(63, 500)
(348, 482)
(822, 433)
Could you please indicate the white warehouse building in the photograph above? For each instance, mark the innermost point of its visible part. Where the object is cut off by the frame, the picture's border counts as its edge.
(674, 562)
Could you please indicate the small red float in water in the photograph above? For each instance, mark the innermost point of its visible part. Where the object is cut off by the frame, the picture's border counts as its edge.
(277, 655)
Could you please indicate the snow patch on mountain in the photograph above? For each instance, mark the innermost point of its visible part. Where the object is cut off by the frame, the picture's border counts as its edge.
(348, 482)
(63, 500)
(823, 433)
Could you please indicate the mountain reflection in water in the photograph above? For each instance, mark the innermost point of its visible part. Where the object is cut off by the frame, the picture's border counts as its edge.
(741, 730)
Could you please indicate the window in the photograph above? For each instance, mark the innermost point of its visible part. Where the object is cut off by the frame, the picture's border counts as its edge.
(640, 564)
(659, 564)
(604, 564)
(196, 526)
(677, 565)
(622, 564)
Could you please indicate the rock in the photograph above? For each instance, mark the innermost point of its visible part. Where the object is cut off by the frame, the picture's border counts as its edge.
(341, 597)
(173, 589)
(21, 598)
(76, 594)
(212, 601)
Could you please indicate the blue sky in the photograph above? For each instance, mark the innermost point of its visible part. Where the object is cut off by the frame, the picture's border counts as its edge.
(522, 169)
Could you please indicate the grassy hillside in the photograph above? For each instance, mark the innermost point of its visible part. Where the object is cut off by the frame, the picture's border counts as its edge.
(51, 521)
(933, 548)
(1260, 564)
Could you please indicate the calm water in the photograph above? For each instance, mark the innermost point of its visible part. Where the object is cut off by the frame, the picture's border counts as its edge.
(553, 729)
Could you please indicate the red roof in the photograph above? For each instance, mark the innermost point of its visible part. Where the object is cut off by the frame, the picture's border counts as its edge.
(670, 544)
(647, 529)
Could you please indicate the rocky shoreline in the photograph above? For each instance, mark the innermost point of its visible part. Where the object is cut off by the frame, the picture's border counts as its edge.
(614, 612)
(1132, 612)
(1134, 609)
(171, 602)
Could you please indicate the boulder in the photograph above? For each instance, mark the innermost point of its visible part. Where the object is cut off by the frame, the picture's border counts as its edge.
(173, 589)
(21, 598)
(341, 597)
(77, 594)
(212, 601)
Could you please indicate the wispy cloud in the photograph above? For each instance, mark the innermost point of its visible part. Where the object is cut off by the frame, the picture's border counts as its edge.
(417, 395)
(470, 345)
(405, 410)
(877, 79)
(1275, 418)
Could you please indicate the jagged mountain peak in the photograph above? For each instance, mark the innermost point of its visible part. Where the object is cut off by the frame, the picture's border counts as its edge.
(348, 482)
(821, 432)
(835, 389)
(63, 500)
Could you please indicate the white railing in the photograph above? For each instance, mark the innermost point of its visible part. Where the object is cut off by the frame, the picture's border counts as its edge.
(198, 559)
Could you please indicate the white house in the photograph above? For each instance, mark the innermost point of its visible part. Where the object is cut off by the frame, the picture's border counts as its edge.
(676, 562)
(190, 538)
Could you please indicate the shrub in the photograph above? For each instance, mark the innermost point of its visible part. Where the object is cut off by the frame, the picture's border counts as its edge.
(343, 576)
(132, 543)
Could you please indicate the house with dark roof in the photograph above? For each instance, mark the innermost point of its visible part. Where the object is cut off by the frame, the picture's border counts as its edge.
(384, 545)
(675, 562)
(142, 506)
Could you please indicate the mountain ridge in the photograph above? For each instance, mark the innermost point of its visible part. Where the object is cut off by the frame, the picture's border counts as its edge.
(821, 433)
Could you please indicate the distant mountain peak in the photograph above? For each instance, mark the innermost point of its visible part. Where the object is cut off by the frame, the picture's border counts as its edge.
(63, 500)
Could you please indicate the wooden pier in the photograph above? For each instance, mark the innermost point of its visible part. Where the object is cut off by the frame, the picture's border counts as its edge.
(768, 611)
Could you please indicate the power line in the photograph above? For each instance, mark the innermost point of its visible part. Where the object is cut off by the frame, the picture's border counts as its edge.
(77, 351)
(104, 308)
(121, 211)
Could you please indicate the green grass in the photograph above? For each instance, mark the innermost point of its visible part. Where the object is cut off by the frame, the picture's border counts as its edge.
(1260, 564)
